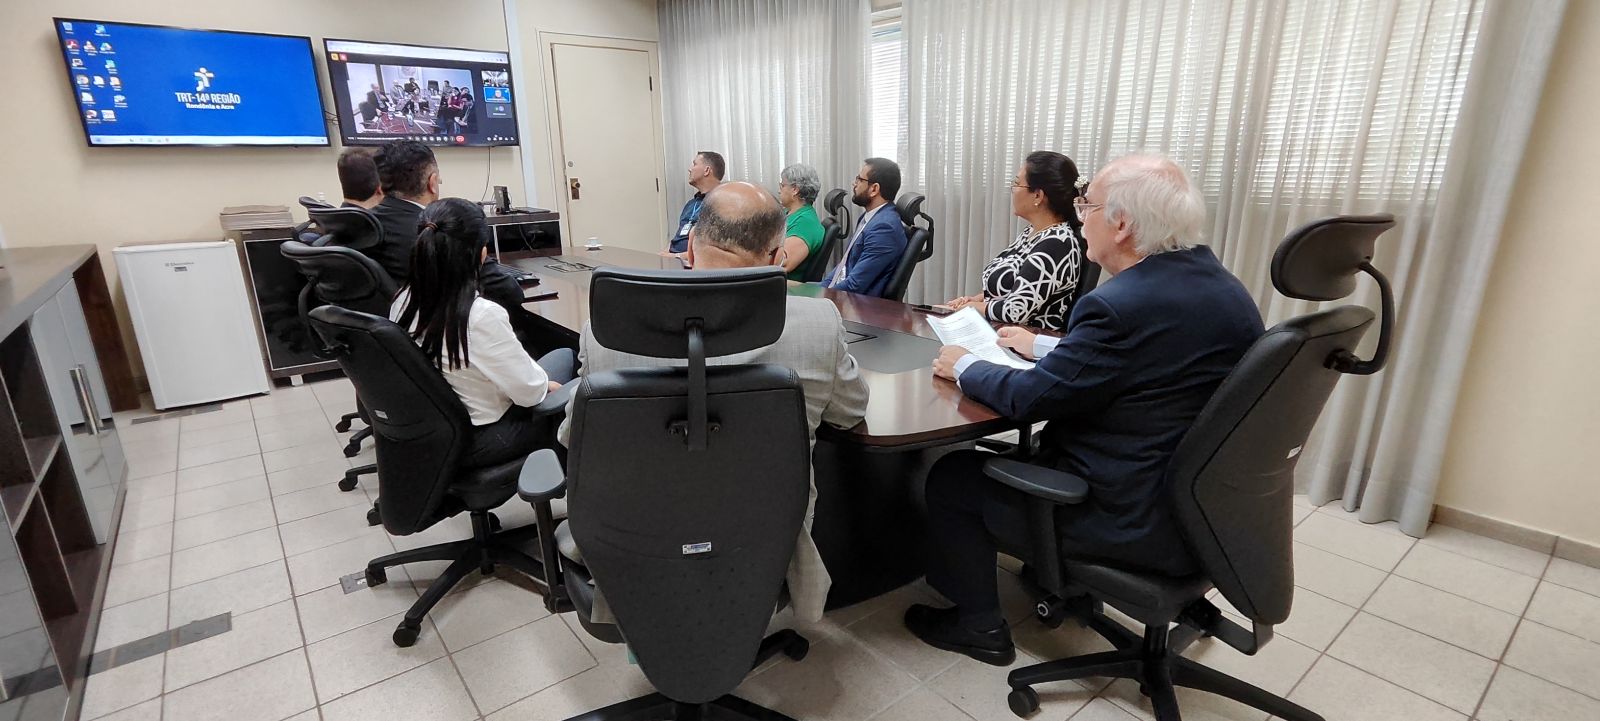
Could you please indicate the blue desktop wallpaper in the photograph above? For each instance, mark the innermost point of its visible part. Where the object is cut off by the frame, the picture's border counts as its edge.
(192, 86)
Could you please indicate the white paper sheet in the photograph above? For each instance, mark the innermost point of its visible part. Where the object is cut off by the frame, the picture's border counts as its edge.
(969, 330)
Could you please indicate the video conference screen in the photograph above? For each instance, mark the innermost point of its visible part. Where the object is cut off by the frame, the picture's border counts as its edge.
(439, 96)
(155, 85)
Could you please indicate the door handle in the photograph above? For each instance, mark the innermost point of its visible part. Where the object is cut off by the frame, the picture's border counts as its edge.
(573, 186)
(85, 401)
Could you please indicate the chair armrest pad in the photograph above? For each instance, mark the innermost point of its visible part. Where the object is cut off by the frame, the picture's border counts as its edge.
(1046, 483)
(542, 477)
(555, 402)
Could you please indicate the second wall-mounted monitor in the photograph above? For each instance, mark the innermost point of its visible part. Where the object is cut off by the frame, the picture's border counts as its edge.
(439, 96)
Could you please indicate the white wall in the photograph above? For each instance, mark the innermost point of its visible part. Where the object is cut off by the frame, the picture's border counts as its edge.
(1524, 445)
(55, 190)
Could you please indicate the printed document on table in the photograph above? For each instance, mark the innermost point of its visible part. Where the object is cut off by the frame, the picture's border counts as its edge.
(969, 330)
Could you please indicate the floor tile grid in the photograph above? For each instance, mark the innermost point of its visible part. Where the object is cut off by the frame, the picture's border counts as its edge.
(330, 406)
(1498, 662)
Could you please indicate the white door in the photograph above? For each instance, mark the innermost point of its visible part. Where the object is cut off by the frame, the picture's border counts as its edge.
(612, 187)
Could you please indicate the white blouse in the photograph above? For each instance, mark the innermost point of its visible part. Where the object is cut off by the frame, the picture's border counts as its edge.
(498, 372)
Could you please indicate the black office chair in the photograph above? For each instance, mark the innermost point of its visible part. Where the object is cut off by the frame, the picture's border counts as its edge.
(685, 487)
(1231, 485)
(308, 232)
(421, 430)
(835, 228)
(344, 277)
(919, 243)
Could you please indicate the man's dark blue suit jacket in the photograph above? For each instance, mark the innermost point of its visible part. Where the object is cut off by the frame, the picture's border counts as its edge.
(1142, 354)
(873, 257)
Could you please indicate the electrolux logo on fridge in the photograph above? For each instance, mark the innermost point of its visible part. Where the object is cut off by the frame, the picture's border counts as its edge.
(203, 99)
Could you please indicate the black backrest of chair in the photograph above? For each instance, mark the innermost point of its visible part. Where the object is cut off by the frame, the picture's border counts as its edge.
(342, 276)
(919, 243)
(835, 228)
(1088, 278)
(349, 227)
(1231, 480)
(690, 545)
(417, 420)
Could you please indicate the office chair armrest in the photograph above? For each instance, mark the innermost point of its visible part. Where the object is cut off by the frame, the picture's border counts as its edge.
(542, 477)
(555, 402)
(1055, 486)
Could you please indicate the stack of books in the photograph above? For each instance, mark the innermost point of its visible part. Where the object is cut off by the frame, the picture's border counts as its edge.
(251, 217)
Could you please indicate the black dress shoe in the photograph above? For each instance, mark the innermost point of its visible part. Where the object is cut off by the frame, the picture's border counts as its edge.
(942, 629)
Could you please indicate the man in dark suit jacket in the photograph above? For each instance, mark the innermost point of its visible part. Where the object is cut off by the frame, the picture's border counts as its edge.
(1141, 357)
(410, 178)
(875, 248)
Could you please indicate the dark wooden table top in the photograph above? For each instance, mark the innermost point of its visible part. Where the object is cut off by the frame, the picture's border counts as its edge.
(905, 410)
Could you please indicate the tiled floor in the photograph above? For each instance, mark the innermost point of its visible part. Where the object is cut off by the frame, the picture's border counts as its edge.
(236, 511)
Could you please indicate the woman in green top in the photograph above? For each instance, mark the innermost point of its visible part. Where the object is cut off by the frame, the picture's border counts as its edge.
(798, 186)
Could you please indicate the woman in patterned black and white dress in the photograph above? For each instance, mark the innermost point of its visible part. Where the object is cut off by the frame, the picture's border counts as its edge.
(1034, 280)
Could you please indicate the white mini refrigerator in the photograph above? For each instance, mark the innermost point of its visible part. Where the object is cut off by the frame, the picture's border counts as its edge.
(192, 318)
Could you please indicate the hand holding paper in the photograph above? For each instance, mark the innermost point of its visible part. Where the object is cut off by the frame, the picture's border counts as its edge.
(969, 330)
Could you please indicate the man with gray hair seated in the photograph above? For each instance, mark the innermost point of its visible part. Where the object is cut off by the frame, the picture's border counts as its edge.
(1141, 357)
(798, 186)
(741, 226)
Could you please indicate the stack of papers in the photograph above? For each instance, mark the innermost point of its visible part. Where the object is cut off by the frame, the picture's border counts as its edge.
(969, 330)
(251, 217)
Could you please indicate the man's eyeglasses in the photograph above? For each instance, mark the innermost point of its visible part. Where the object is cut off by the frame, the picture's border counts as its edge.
(1083, 207)
(860, 179)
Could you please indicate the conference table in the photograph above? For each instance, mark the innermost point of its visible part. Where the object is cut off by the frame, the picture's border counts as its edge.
(870, 523)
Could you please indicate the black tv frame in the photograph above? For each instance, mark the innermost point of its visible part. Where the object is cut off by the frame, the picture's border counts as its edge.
(316, 77)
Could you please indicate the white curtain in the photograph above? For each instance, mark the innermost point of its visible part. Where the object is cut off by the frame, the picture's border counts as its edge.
(1283, 111)
(765, 83)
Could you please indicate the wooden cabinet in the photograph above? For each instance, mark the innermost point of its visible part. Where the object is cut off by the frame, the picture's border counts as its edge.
(61, 473)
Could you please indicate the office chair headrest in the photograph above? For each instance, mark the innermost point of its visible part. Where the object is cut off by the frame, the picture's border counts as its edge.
(645, 312)
(1321, 259)
(910, 206)
(310, 203)
(834, 201)
(351, 227)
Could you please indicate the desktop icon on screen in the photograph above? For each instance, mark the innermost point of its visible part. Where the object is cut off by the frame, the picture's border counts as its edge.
(66, 27)
(111, 65)
(77, 62)
(100, 30)
(109, 115)
(89, 48)
(91, 115)
(119, 100)
(86, 97)
(83, 80)
(105, 47)
(72, 46)
(116, 82)
(99, 82)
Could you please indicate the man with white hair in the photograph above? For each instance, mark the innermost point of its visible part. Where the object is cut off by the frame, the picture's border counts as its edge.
(1141, 356)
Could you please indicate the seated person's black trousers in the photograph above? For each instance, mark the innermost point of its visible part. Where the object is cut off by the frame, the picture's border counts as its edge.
(518, 433)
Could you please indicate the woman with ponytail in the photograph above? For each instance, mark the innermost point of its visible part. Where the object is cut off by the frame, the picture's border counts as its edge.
(470, 340)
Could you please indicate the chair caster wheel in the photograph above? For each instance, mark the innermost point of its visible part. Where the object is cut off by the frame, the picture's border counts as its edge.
(374, 517)
(406, 636)
(376, 577)
(343, 426)
(348, 483)
(1024, 701)
(352, 449)
(1050, 611)
(797, 649)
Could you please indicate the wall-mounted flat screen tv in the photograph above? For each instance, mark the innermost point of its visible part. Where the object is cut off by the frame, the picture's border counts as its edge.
(439, 96)
(141, 85)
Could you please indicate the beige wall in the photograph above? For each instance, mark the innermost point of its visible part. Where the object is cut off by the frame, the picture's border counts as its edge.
(55, 190)
(1525, 446)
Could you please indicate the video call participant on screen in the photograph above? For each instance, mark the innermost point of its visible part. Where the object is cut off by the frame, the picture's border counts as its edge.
(410, 178)
(358, 179)
(470, 339)
(741, 226)
(1141, 357)
(705, 173)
